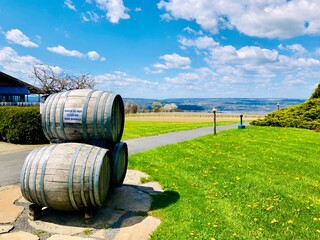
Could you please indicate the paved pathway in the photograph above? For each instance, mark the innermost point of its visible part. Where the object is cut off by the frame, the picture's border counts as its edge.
(11, 164)
(146, 143)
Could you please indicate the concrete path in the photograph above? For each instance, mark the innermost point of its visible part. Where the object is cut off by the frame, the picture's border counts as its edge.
(11, 164)
(146, 143)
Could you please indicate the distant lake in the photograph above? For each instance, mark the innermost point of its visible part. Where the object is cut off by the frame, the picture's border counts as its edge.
(226, 105)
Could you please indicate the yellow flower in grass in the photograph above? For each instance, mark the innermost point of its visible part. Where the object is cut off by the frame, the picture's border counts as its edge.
(273, 221)
(237, 178)
(290, 221)
(317, 231)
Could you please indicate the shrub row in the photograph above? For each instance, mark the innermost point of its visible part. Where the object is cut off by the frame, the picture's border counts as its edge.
(21, 125)
(305, 115)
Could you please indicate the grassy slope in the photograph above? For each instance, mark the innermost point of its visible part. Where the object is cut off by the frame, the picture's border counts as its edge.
(256, 183)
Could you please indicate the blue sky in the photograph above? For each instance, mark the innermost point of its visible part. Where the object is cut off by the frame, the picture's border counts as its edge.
(168, 48)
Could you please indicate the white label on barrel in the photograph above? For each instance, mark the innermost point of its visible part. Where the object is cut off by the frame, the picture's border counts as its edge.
(72, 115)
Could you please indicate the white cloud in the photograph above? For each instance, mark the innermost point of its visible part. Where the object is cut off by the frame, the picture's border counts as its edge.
(63, 51)
(93, 55)
(127, 85)
(55, 69)
(296, 48)
(190, 30)
(293, 82)
(70, 5)
(17, 37)
(19, 66)
(272, 18)
(200, 43)
(172, 61)
(90, 16)
(249, 54)
(115, 10)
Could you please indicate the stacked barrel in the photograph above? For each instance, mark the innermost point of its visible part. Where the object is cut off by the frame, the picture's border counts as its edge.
(86, 159)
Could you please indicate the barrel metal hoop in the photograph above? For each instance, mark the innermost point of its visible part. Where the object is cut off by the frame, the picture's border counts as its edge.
(43, 171)
(44, 117)
(54, 116)
(24, 184)
(49, 113)
(61, 115)
(38, 159)
(28, 195)
(84, 115)
(70, 178)
(84, 165)
(95, 115)
(110, 117)
(102, 124)
(91, 185)
(96, 178)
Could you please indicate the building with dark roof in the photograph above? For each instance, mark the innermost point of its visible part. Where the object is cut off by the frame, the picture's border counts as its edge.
(14, 91)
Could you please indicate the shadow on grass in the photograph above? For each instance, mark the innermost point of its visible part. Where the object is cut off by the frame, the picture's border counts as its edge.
(164, 199)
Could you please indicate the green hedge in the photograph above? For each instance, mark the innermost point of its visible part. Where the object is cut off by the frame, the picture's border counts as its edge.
(305, 115)
(21, 125)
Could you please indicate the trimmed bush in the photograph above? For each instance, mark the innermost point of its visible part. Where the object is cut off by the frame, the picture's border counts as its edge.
(305, 115)
(21, 125)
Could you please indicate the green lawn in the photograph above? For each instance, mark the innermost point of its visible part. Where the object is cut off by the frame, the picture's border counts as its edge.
(136, 129)
(254, 183)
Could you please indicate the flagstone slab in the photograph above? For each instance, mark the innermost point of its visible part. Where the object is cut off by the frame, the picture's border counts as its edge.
(66, 237)
(5, 228)
(18, 236)
(141, 230)
(9, 212)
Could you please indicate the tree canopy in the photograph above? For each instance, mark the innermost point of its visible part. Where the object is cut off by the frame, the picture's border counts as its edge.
(51, 81)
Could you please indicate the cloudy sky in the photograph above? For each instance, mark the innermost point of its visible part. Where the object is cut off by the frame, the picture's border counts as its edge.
(169, 48)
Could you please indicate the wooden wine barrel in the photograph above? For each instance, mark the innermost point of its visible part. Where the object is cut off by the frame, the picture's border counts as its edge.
(83, 114)
(119, 164)
(67, 176)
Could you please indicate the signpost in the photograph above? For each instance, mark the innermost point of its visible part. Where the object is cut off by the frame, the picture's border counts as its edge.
(214, 110)
(240, 126)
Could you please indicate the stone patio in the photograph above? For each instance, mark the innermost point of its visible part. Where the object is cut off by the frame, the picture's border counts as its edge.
(124, 217)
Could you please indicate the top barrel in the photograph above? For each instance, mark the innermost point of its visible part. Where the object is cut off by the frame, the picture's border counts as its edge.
(82, 115)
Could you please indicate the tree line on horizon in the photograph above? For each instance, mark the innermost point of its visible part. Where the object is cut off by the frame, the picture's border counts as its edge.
(131, 107)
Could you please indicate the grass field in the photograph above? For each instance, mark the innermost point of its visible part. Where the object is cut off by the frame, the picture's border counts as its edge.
(136, 129)
(191, 116)
(254, 183)
(150, 124)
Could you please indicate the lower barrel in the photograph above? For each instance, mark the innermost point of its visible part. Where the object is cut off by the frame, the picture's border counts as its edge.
(68, 176)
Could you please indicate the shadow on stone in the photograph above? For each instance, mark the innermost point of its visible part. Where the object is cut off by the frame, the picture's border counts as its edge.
(127, 206)
(164, 199)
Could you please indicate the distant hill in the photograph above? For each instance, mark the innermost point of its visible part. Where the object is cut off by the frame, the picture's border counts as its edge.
(227, 105)
(304, 115)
